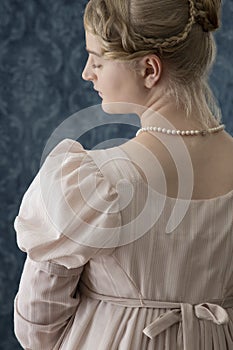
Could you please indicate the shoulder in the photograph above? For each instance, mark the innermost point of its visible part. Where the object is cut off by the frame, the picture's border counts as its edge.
(67, 151)
(69, 200)
(77, 177)
(112, 164)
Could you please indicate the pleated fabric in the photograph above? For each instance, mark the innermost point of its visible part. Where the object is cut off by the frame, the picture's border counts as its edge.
(103, 273)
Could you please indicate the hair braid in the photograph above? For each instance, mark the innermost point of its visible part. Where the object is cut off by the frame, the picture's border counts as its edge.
(207, 16)
(129, 30)
(173, 40)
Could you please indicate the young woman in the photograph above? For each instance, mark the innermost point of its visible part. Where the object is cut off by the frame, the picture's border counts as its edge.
(130, 248)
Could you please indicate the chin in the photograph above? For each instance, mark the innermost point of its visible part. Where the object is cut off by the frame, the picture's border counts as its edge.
(118, 107)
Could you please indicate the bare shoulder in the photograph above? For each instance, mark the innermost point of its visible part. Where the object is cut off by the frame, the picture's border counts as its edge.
(222, 147)
(228, 138)
(211, 157)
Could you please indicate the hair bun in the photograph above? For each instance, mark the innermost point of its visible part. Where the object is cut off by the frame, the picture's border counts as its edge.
(208, 14)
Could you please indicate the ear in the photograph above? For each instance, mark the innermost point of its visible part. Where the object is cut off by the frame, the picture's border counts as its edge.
(151, 70)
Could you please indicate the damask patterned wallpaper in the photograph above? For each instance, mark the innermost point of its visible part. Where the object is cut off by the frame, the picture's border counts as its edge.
(41, 59)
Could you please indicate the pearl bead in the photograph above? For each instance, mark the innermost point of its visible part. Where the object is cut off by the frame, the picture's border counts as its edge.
(181, 132)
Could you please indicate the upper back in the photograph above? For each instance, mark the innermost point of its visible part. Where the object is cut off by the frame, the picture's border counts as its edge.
(164, 264)
(210, 157)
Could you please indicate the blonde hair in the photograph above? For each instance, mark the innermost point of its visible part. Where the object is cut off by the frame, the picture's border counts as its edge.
(178, 31)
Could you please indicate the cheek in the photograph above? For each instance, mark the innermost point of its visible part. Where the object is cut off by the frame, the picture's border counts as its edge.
(122, 95)
(113, 77)
(119, 84)
(115, 81)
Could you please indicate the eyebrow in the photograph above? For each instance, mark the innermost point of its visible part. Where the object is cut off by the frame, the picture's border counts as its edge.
(93, 52)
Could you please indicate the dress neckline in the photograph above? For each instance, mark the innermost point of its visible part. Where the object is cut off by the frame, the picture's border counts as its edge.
(227, 195)
(221, 197)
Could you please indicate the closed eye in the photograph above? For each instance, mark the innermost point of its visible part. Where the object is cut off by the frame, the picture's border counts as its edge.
(96, 66)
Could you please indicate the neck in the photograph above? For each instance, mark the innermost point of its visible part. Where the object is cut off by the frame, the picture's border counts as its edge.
(164, 113)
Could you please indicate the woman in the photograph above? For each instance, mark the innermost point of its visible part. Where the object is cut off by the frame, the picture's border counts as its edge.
(131, 247)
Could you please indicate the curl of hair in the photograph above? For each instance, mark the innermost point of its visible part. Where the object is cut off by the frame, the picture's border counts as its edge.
(171, 29)
(208, 14)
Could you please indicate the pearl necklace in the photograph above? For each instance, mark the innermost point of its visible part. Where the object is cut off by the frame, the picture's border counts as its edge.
(181, 132)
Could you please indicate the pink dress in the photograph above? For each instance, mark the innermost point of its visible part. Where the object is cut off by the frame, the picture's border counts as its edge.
(103, 274)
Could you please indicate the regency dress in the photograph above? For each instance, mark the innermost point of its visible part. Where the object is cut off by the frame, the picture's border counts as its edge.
(102, 273)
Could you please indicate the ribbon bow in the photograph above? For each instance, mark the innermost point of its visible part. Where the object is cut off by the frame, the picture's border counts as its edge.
(205, 311)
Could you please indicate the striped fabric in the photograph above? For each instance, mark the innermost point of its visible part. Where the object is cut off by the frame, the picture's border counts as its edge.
(110, 281)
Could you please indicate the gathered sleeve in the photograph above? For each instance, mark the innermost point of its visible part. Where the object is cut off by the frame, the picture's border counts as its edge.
(70, 210)
(68, 215)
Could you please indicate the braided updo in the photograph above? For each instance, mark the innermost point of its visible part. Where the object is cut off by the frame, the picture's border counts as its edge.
(207, 14)
(178, 31)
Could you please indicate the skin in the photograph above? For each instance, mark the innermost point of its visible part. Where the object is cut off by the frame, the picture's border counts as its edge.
(211, 155)
(113, 79)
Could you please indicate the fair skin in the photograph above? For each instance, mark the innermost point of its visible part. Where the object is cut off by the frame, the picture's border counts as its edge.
(134, 93)
(112, 79)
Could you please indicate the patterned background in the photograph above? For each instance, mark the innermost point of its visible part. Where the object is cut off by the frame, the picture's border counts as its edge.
(41, 59)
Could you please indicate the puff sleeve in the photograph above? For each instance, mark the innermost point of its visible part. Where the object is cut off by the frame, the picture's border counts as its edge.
(69, 211)
(68, 215)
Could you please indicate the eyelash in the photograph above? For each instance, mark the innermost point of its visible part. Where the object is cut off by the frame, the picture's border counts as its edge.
(95, 66)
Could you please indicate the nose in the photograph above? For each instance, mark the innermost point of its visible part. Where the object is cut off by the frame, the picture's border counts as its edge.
(88, 73)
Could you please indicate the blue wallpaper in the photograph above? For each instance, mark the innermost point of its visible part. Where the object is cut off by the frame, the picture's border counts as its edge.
(41, 59)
